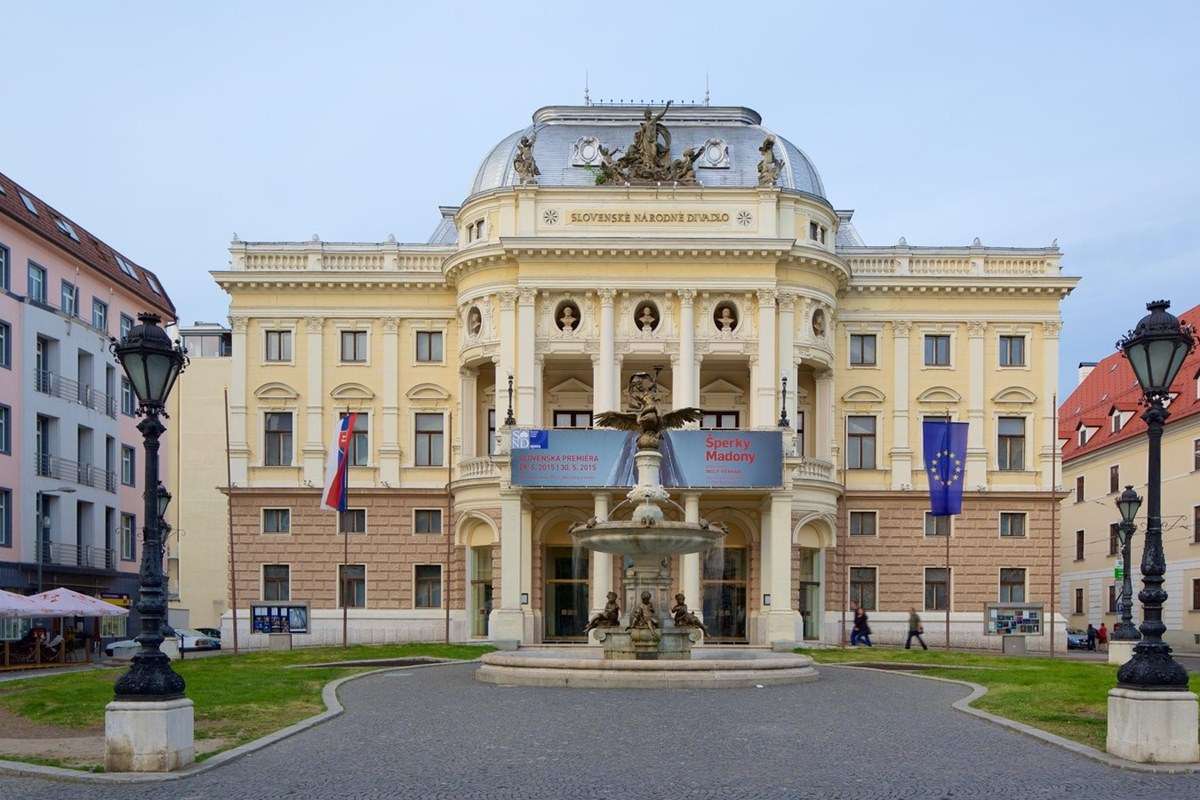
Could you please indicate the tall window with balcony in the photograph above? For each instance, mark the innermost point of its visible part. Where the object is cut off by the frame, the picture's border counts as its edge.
(100, 315)
(429, 440)
(5, 268)
(1011, 444)
(429, 347)
(360, 445)
(69, 299)
(5, 345)
(278, 346)
(126, 325)
(128, 465)
(128, 399)
(36, 283)
(860, 442)
(1012, 351)
(128, 537)
(6, 537)
(5, 430)
(862, 349)
(354, 347)
(277, 439)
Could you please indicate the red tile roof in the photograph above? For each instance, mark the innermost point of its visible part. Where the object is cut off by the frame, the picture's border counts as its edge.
(1111, 383)
(88, 249)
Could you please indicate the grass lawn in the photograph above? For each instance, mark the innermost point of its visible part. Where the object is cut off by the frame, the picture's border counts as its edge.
(1062, 696)
(238, 698)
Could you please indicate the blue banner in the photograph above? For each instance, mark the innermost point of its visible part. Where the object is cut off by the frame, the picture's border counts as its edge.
(604, 458)
(945, 458)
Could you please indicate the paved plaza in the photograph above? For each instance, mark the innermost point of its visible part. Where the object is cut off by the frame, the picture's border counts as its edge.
(437, 733)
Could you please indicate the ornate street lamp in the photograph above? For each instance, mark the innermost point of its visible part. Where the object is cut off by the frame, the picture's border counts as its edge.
(1156, 349)
(152, 363)
(1128, 504)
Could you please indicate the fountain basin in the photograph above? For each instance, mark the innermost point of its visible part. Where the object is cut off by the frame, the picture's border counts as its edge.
(666, 538)
(584, 668)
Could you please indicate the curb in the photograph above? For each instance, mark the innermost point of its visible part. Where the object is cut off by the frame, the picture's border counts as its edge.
(978, 691)
(333, 708)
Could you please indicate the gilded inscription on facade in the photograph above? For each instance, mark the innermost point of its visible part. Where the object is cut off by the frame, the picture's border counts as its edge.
(648, 218)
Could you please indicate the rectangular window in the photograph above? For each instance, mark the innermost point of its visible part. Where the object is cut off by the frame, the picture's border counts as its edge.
(277, 439)
(128, 537)
(5, 345)
(429, 347)
(128, 399)
(279, 345)
(1114, 538)
(491, 432)
(28, 203)
(277, 520)
(126, 267)
(277, 582)
(5, 268)
(800, 433)
(354, 346)
(1079, 489)
(1114, 479)
(100, 315)
(1079, 601)
(1012, 523)
(70, 299)
(860, 442)
(1196, 455)
(572, 419)
(1112, 599)
(126, 325)
(937, 526)
(1012, 585)
(352, 585)
(1012, 351)
(862, 349)
(428, 591)
(862, 587)
(128, 465)
(937, 588)
(6, 538)
(36, 288)
(360, 439)
(937, 350)
(863, 523)
(720, 420)
(1195, 594)
(352, 520)
(428, 440)
(1079, 537)
(427, 520)
(113, 627)
(1011, 441)
(1196, 524)
(5, 430)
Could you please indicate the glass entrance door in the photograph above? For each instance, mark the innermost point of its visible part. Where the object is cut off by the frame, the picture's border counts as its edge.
(481, 590)
(808, 606)
(566, 593)
(723, 582)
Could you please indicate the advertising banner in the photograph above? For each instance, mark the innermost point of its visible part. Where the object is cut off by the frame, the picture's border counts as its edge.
(605, 458)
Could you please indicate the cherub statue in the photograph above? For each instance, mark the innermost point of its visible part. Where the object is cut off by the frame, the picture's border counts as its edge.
(523, 164)
(644, 616)
(685, 618)
(768, 167)
(683, 169)
(645, 417)
(609, 618)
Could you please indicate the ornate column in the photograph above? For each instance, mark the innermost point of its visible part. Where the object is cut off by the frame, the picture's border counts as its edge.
(468, 394)
(787, 352)
(823, 426)
(313, 448)
(508, 351)
(901, 453)
(602, 563)
(766, 387)
(538, 371)
(526, 363)
(689, 565)
(977, 454)
(682, 372)
(603, 392)
(615, 383)
(389, 442)
(238, 446)
(507, 622)
(1049, 366)
(781, 619)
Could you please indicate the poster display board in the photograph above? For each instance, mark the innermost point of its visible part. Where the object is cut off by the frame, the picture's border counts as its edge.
(1013, 619)
(570, 458)
(279, 618)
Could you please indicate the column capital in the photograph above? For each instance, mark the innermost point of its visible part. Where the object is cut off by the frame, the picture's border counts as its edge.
(766, 297)
(686, 296)
(525, 297)
(976, 328)
(787, 301)
(1052, 329)
(391, 324)
(468, 372)
(239, 323)
(901, 327)
(606, 296)
(508, 299)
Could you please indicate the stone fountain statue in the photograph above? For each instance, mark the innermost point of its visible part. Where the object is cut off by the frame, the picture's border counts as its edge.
(610, 617)
(648, 538)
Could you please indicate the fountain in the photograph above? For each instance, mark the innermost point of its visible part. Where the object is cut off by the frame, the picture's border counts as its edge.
(654, 648)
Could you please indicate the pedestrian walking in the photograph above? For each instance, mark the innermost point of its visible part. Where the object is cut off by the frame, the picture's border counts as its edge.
(862, 631)
(1102, 635)
(915, 628)
(1091, 636)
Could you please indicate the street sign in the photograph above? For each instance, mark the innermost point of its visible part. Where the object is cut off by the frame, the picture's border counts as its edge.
(1119, 571)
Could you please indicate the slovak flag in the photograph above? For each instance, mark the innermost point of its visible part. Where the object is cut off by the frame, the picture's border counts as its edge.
(336, 478)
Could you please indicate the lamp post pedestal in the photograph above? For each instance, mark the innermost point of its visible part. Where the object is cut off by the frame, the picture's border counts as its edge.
(148, 736)
(1120, 651)
(1153, 727)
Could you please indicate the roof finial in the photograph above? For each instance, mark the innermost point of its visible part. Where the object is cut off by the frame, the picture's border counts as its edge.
(587, 99)
(706, 96)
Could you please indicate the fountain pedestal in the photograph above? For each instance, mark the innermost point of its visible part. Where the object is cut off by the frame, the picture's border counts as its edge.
(642, 644)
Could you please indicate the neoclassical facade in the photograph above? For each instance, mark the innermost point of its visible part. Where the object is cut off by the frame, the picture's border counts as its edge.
(717, 263)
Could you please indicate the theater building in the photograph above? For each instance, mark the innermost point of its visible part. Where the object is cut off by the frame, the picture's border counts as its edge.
(600, 241)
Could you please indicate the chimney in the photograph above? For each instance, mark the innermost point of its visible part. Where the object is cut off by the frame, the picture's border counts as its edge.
(1085, 369)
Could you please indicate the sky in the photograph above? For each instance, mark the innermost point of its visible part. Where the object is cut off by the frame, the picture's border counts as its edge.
(164, 128)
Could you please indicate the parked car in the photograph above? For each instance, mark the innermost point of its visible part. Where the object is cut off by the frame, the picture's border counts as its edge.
(1076, 640)
(188, 639)
(211, 633)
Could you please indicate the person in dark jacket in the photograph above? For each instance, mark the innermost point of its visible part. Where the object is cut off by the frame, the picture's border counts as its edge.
(1091, 634)
(862, 631)
(915, 628)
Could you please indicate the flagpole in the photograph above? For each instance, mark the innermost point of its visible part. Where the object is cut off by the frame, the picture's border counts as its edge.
(229, 505)
(949, 582)
(448, 527)
(345, 538)
(1053, 512)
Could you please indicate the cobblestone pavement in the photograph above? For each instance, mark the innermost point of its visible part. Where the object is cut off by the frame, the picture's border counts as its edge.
(437, 733)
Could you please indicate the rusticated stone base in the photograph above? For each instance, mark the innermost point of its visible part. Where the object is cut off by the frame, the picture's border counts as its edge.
(1153, 727)
(148, 736)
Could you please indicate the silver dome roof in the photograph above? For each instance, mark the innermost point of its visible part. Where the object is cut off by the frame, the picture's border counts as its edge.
(560, 127)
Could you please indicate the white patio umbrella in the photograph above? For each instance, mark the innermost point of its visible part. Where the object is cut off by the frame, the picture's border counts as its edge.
(64, 602)
(17, 605)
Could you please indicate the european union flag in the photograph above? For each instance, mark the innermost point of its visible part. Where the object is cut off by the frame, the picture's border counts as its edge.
(945, 462)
